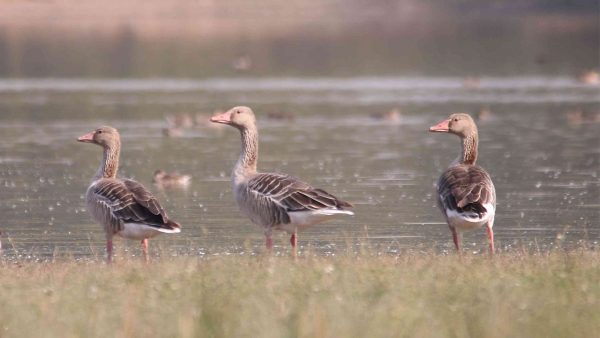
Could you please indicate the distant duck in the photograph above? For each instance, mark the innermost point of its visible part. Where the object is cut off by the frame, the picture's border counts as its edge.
(176, 125)
(484, 114)
(471, 82)
(171, 180)
(580, 116)
(392, 115)
(466, 193)
(274, 201)
(180, 121)
(589, 77)
(242, 63)
(123, 207)
(281, 115)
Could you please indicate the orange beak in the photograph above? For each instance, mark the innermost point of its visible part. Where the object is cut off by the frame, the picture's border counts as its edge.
(224, 118)
(89, 137)
(441, 127)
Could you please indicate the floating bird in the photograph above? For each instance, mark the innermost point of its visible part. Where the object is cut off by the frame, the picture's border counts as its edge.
(390, 116)
(242, 63)
(579, 116)
(176, 124)
(590, 77)
(484, 114)
(180, 121)
(281, 115)
(123, 207)
(472, 82)
(466, 193)
(171, 180)
(274, 201)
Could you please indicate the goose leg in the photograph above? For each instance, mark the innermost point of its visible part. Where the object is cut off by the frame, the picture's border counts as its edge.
(269, 239)
(490, 235)
(145, 249)
(457, 238)
(294, 242)
(109, 249)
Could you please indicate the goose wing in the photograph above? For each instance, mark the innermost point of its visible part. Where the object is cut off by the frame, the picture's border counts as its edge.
(292, 194)
(466, 187)
(127, 201)
(270, 198)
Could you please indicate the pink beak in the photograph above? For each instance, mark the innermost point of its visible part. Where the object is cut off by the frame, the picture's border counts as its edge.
(89, 137)
(224, 118)
(441, 127)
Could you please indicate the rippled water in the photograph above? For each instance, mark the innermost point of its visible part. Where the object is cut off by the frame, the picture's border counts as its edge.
(544, 160)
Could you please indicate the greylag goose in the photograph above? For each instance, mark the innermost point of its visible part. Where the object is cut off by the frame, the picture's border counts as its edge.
(164, 179)
(274, 201)
(123, 207)
(466, 193)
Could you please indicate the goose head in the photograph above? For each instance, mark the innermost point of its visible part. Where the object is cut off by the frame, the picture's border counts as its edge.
(239, 117)
(106, 137)
(460, 124)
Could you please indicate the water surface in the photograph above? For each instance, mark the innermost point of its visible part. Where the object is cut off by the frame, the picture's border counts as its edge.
(544, 160)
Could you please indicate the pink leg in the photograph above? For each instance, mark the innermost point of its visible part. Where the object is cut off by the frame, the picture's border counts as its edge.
(109, 250)
(145, 249)
(294, 243)
(456, 238)
(269, 238)
(490, 235)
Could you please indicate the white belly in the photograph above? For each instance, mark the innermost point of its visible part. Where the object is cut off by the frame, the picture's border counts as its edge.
(301, 220)
(464, 221)
(139, 231)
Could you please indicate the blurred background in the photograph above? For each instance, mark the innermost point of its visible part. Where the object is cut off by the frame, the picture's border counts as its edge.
(344, 92)
(196, 39)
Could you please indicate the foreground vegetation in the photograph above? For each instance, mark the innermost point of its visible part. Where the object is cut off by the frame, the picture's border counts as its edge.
(512, 295)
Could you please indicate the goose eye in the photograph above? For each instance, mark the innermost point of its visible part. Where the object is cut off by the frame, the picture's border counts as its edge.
(239, 112)
(99, 132)
(455, 119)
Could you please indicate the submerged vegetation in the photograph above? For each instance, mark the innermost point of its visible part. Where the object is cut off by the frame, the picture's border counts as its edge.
(555, 294)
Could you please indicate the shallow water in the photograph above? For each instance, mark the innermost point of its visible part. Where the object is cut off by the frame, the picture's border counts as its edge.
(545, 163)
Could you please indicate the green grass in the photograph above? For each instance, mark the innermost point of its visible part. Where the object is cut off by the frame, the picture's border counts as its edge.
(412, 295)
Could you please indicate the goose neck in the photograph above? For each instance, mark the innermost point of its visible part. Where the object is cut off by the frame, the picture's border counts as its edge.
(110, 163)
(469, 149)
(246, 164)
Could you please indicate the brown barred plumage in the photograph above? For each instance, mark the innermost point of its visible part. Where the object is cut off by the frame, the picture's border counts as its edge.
(466, 193)
(274, 201)
(466, 187)
(122, 207)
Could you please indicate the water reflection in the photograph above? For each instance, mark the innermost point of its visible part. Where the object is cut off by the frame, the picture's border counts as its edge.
(545, 168)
